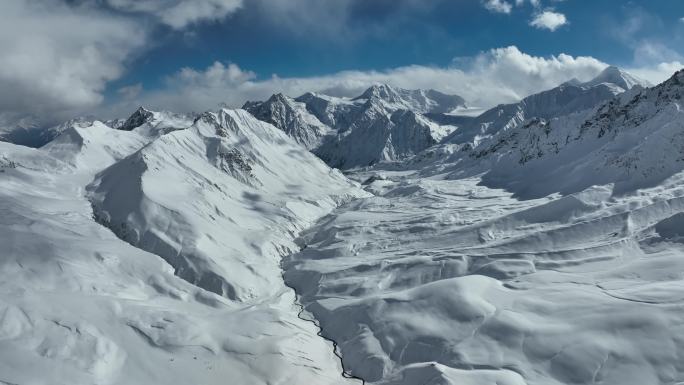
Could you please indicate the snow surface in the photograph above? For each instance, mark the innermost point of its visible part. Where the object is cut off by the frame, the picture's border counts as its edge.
(543, 247)
(78, 305)
(550, 253)
(432, 280)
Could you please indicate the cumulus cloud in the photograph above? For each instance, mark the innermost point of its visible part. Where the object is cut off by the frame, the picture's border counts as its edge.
(500, 6)
(542, 19)
(498, 76)
(658, 73)
(217, 75)
(130, 92)
(56, 58)
(179, 14)
(535, 3)
(549, 20)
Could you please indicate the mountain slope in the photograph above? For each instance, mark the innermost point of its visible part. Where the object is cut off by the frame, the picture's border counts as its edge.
(79, 305)
(238, 171)
(382, 124)
(568, 98)
(478, 271)
(632, 141)
(292, 117)
(420, 101)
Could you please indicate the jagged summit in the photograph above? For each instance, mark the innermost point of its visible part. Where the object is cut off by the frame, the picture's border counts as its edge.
(422, 101)
(570, 97)
(384, 123)
(137, 119)
(381, 91)
(291, 117)
(619, 77)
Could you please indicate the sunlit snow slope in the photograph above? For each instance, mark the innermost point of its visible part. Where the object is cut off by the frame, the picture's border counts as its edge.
(185, 288)
(476, 271)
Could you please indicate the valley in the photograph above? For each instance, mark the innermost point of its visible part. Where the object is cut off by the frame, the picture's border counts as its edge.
(538, 243)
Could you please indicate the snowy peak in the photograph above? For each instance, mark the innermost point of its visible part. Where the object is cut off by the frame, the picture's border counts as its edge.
(137, 119)
(234, 164)
(381, 91)
(619, 77)
(291, 117)
(384, 123)
(632, 141)
(633, 109)
(154, 123)
(569, 98)
(422, 101)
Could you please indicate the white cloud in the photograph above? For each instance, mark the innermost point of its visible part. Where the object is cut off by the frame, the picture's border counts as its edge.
(179, 14)
(658, 73)
(498, 76)
(217, 75)
(535, 3)
(59, 56)
(648, 51)
(130, 92)
(56, 58)
(549, 20)
(500, 6)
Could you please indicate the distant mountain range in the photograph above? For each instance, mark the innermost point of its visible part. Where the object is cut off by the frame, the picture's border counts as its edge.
(382, 124)
(391, 124)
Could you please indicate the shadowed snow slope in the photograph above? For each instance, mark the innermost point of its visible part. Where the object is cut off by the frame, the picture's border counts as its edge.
(219, 201)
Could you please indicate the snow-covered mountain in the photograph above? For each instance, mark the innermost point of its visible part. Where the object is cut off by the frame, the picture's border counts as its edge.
(384, 123)
(390, 124)
(477, 271)
(25, 130)
(542, 247)
(421, 101)
(182, 283)
(612, 143)
(238, 172)
(618, 77)
(293, 118)
(568, 98)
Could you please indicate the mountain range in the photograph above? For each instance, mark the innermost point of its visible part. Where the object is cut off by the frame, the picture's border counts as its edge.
(539, 243)
(382, 124)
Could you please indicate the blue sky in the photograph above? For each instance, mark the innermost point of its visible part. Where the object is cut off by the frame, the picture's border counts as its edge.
(67, 57)
(395, 34)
